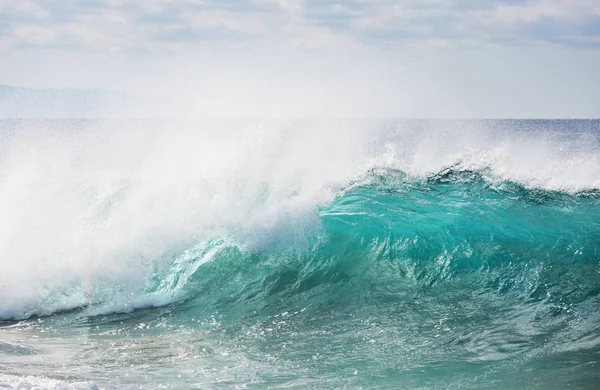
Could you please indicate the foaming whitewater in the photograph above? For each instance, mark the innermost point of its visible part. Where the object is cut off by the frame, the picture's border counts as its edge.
(300, 253)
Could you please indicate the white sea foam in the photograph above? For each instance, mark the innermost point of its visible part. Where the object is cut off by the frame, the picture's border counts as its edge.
(91, 210)
(11, 382)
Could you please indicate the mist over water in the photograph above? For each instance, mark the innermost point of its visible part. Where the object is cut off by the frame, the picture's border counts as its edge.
(319, 253)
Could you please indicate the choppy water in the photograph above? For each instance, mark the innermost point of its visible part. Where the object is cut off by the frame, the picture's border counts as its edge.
(300, 254)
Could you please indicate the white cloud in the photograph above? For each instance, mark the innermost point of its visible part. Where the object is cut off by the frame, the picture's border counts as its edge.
(34, 35)
(511, 14)
(303, 35)
(155, 25)
(248, 23)
(288, 5)
(24, 7)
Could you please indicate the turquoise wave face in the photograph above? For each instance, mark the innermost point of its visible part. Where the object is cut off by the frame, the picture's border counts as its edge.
(450, 281)
(386, 238)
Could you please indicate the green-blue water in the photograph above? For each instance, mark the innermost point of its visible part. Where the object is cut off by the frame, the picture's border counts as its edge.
(454, 279)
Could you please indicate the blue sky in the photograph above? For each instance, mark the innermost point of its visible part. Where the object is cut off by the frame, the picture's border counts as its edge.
(477, 57)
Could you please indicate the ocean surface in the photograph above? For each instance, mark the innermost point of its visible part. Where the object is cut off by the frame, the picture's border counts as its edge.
(211, 254)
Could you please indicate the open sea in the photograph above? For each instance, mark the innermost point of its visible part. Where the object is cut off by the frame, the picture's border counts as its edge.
(299, 254)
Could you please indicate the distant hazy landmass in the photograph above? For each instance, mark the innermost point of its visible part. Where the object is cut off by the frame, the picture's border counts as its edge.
(19, 102)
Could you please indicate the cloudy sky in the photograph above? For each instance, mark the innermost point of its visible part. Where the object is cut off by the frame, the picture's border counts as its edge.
(453, 58)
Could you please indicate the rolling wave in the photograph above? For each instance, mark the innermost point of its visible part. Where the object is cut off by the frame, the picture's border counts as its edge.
(387, 237)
